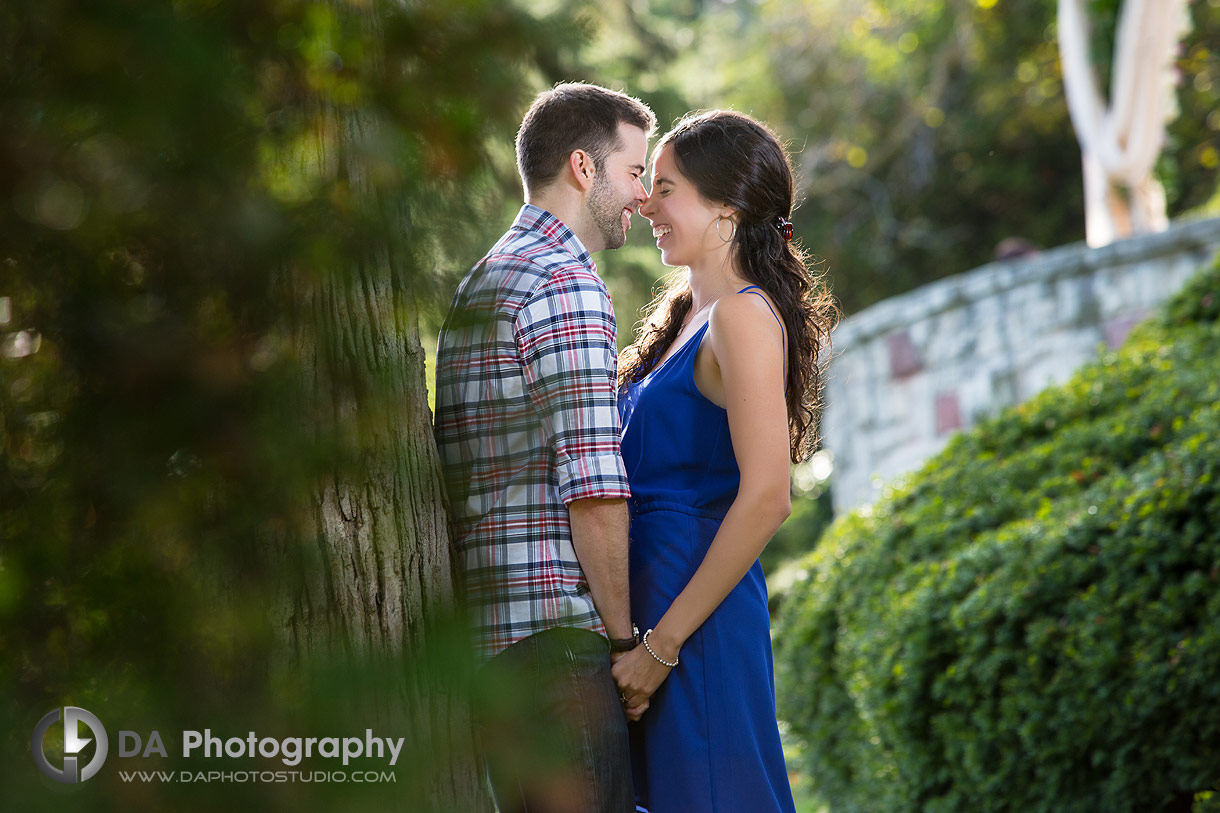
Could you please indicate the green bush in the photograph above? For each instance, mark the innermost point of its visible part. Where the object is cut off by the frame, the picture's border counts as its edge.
(1031, 623)
(811, 516)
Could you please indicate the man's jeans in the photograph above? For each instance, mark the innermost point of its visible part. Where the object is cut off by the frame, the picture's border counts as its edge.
(551, 726)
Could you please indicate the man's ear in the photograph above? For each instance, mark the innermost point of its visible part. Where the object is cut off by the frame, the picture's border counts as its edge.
(583, 169)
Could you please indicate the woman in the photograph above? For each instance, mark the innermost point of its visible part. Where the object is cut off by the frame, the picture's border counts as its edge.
(716, 395)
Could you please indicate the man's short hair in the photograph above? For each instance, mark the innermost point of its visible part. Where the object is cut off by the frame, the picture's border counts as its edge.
(574, 116)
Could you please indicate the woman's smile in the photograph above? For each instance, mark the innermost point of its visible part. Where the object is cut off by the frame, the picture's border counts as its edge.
(683, 221)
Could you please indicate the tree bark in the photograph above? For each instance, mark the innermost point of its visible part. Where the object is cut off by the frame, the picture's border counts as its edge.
(375, 577)
(382, 569)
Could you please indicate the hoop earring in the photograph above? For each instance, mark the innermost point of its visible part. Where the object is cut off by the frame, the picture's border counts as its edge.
(732, 231)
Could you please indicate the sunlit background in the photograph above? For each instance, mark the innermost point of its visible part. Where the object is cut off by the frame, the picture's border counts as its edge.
(230, 231)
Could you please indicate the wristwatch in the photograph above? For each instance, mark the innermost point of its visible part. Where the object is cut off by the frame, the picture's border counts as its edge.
(626, 644)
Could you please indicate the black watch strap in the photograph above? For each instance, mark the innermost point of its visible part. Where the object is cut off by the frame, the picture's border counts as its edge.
(626, 644)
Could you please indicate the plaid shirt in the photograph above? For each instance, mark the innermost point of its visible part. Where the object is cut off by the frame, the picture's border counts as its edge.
(526, 423)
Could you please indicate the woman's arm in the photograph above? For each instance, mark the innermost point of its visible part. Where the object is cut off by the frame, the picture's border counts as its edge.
(747, 348)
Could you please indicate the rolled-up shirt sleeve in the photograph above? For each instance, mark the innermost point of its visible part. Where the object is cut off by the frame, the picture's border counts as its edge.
(566, 335)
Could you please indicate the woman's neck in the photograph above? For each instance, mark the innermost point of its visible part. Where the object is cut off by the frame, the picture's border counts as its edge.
(711, 281)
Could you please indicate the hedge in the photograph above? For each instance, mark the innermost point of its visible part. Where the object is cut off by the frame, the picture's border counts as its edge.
(1032, 622)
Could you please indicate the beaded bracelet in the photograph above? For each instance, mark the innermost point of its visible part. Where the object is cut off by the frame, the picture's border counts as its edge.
(659, 659)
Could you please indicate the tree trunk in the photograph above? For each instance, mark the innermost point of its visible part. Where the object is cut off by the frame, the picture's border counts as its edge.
(382, 570)
(1121, 139)
(377, 575)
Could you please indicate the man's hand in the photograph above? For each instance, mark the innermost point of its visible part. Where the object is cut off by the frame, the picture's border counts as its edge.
(634, 712)
(638, 675)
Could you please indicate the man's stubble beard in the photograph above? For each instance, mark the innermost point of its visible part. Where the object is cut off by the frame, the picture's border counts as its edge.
(606, 213)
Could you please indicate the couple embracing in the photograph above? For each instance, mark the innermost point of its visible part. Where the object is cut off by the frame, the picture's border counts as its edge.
(595, 497)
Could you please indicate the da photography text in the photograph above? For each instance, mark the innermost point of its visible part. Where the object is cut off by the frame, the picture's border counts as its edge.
(290, 750)
(195, 744)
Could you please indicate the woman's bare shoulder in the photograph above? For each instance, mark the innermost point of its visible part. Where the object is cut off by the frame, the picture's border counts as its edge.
(745, 315)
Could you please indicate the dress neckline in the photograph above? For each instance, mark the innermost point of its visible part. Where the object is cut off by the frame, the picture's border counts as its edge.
(685, 344)
(697, 335)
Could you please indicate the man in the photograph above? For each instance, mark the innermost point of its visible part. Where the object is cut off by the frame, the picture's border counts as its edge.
(528, 432)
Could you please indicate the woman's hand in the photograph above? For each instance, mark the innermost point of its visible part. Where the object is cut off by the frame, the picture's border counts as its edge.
(638, 675)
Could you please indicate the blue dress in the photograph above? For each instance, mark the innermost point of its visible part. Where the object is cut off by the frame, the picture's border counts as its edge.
(709, 741)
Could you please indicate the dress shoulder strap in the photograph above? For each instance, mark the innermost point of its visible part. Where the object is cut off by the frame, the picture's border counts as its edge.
(783, 336)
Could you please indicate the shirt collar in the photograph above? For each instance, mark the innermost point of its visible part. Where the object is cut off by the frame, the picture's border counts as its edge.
(535, 219)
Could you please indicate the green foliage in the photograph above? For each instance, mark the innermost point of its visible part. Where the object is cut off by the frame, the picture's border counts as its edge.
(811, 515)
(1188, 166)
(1030, 623)
(171, 173)
(929, 130)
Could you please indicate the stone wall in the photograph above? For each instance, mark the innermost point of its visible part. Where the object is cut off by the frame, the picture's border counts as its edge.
(910, 371)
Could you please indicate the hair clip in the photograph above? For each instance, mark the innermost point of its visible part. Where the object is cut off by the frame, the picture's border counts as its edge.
(785, 227)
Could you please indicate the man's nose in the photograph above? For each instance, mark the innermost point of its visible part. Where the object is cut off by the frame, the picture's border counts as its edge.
(646, 207)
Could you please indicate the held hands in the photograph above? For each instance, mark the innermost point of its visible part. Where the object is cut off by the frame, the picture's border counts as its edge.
(638, 674)
(632, 708)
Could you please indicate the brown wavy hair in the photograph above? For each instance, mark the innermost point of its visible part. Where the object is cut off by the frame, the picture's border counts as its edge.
(733, 159)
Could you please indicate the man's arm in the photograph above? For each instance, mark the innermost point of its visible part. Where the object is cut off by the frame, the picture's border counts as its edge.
(599, 535)
(566, 336)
